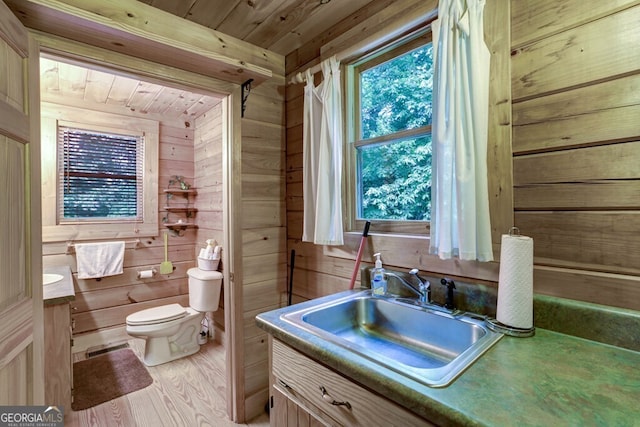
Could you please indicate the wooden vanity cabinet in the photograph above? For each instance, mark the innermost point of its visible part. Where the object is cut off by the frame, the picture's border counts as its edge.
(58, 372)
(304, 392)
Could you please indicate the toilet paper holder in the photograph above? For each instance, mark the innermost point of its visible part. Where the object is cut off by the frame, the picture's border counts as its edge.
(144, 274)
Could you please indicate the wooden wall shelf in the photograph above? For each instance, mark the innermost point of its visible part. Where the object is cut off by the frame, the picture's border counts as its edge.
(189, 192)
(178, 226)
(182, 207)
(179, 209)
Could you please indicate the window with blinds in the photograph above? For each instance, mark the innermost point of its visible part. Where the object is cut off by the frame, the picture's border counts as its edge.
(100, 176)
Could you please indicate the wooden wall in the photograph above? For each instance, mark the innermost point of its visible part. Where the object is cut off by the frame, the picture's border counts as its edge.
(264, 258)
(259, 141)
(576, 145)
(195, 152)
(322, 270)
(101, 306)
(571, 179)
(208, 182)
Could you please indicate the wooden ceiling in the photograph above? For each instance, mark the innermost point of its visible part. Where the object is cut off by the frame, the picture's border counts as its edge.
(278, 25)
(77, 86)
(281, 26)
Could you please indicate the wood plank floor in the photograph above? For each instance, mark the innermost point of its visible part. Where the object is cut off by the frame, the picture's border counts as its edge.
(186, 392)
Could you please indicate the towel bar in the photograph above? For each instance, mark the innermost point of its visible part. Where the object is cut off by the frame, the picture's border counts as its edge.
(71, 246)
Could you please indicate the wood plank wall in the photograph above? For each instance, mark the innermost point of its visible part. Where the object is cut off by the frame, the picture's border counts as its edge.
(195, 153)
(576, 145)
(264, 258)
(571, 179)
(263, 246)
(208, 182)
(101, 306)
(324, 270)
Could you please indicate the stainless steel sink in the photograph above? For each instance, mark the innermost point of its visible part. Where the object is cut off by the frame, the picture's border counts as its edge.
(427, 345)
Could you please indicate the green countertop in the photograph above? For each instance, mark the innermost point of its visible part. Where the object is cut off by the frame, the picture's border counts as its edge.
(550, 379)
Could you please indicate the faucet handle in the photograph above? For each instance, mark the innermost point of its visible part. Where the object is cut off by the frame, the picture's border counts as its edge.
(449, 303)
(448, 283)
(414, 272)
(424, 286)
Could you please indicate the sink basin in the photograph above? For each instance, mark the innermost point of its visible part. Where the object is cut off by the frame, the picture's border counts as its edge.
(424, 344)
(49, 279)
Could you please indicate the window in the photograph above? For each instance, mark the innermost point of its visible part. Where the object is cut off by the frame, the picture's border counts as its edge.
(390, 168)
(100, 176)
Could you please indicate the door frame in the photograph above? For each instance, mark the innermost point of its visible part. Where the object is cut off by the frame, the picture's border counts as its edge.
(115, 62)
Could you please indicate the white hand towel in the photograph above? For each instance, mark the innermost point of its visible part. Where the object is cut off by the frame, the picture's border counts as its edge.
(97, 260)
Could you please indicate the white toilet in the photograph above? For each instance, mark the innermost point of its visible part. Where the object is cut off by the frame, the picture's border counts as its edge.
(171, 331)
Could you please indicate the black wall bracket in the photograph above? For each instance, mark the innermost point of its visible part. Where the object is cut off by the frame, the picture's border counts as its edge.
(246, 89)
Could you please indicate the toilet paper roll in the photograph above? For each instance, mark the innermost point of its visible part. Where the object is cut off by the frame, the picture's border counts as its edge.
(515, 282)
(145, 274)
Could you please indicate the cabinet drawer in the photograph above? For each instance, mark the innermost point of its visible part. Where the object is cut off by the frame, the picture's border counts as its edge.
(306, 379)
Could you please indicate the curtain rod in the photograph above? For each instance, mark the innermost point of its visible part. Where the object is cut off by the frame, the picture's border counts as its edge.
(299, 77)
(362, 48)
(415, 22)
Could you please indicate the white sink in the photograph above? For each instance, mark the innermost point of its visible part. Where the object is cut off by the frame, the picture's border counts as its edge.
(48, 279)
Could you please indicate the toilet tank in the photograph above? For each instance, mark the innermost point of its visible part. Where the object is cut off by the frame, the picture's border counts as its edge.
(204, 289)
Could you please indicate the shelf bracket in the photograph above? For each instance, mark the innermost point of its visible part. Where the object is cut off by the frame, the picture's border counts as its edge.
(246, 89)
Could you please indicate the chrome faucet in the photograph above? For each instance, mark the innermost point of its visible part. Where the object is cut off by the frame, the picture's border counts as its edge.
(424, 288)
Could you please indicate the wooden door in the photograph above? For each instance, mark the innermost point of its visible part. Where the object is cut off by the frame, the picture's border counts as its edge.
(21, 314)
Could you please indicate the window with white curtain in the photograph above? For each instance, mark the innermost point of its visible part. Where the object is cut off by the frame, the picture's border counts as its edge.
(389, 97)
(100, 176)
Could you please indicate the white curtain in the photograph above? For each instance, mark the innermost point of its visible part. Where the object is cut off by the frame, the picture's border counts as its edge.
(322, 157)
(460, 223)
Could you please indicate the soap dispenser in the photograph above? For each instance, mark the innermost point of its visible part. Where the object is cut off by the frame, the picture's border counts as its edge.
(378, 278)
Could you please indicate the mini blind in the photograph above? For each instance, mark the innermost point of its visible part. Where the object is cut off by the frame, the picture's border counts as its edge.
(100, 176)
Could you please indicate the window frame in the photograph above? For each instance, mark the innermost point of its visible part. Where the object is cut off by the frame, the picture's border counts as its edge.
(353, 140)
(53, 116)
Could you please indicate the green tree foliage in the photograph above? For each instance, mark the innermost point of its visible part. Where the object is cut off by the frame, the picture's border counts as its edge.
(395, 176)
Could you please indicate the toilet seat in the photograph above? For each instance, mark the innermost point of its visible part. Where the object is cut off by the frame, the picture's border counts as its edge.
(156, 315)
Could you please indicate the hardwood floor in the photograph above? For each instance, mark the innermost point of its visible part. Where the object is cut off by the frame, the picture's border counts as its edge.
(186, 392)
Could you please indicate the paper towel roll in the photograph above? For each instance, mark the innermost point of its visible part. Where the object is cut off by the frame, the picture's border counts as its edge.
(515, 282)
(145, 274)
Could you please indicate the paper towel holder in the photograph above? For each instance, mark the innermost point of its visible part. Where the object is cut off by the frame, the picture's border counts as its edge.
(499, 327)
(496, 326)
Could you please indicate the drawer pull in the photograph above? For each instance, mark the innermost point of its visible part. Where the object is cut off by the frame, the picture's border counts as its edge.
(331, 400)
(283, 384)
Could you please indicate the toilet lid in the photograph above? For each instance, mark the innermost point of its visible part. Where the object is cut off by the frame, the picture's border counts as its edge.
(155, 315)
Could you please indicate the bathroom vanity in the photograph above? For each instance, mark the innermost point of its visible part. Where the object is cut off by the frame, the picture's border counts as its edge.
(58, 364)
(584, 372)
(308, 392)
